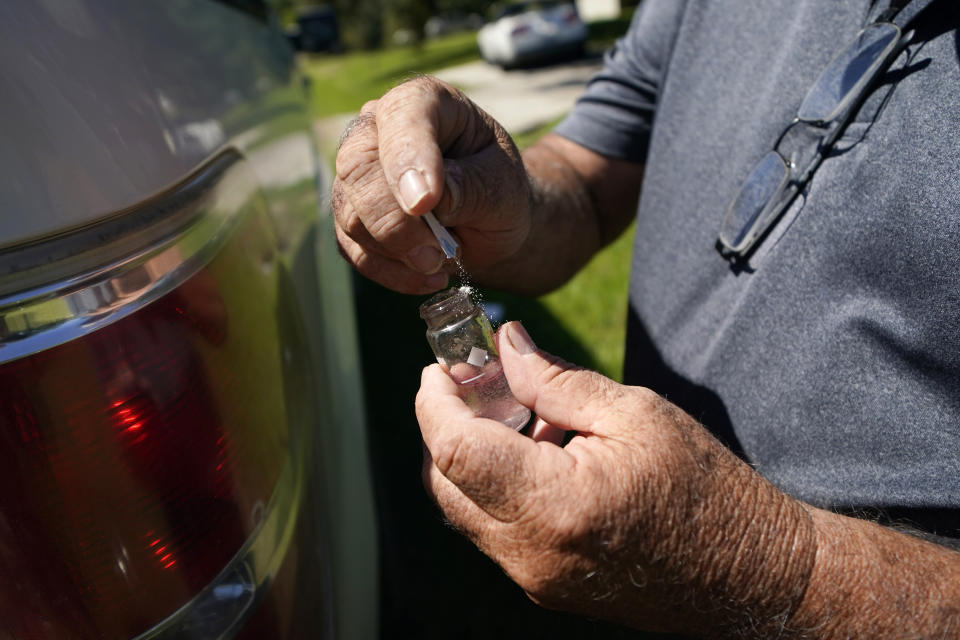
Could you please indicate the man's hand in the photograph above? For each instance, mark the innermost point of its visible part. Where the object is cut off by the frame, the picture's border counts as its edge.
(644, 518)
(523, 225)
(425, 147)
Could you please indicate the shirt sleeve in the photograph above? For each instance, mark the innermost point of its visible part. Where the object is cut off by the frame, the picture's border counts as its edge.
(615, 115)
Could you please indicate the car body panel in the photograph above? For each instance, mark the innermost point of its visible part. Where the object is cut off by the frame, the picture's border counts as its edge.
(143, 92)
(108, 106)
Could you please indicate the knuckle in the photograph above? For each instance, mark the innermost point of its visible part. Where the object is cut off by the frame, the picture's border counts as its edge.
(347, 222)
(382, 218)
(646, 400)
(364, 263)
(356, 255)
(415, 84)
(565, 379)
(355, 167)
(363, 123)
(394, 101)
(448, 454)
(352, 225)
(379, 271)
(391, 230)
(594, 394)
(353, 243)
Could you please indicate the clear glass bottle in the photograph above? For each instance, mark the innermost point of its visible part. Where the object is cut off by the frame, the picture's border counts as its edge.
(461, 337)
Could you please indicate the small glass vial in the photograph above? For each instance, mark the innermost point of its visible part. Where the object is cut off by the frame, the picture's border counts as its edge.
(460, 335)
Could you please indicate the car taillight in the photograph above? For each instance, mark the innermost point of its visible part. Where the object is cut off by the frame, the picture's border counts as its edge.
(521, 29)
(149, 473)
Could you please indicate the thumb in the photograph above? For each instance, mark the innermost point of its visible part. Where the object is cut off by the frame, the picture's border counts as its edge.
(418, 123)
(493, 466)
(411, 120)
(565, 396)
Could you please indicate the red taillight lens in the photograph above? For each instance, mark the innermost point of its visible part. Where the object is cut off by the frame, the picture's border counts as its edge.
(139, 460)
(519, 30)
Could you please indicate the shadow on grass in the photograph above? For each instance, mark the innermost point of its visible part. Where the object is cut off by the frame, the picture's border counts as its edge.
(434, 583)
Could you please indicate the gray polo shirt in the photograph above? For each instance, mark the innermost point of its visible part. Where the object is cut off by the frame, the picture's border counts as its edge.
(832, 363)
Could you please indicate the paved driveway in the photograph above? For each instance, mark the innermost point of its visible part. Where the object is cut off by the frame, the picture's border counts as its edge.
(521, 99)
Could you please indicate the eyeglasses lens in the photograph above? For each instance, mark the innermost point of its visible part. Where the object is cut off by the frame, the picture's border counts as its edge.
(846, 75)
(762, 187)
(764, 195)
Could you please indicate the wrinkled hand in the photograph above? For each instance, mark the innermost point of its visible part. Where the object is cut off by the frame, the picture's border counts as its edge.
(642, 518)
(424, 146)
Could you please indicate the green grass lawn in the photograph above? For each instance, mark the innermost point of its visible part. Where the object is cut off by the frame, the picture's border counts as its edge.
(343, 82)
(583, 321)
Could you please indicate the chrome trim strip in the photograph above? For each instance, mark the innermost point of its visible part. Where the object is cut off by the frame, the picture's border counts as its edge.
(91, 277)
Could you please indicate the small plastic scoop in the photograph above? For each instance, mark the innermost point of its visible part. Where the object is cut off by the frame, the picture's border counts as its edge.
(448, 245)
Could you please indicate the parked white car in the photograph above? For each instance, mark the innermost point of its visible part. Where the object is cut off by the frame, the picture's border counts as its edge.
(532, 33)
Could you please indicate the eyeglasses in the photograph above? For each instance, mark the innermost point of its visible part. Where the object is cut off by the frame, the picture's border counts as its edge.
(798, 151)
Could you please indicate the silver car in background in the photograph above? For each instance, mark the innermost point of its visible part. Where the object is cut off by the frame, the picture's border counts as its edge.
(182, 445)
(530, 33)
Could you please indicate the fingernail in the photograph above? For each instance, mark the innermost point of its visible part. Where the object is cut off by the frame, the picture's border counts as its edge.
(520, 339)
(412, 189)
(425, 259)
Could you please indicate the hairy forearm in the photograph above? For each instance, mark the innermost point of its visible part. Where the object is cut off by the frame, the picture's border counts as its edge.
(760, 564)
(864, 581)
(873, 582)
(803, 572)
(579, 202)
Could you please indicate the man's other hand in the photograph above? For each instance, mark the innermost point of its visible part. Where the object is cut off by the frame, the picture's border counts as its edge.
(642, 518)
(425, 147)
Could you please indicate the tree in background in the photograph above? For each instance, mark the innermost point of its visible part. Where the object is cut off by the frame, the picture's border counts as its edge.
(408, 17)
(368, 24)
